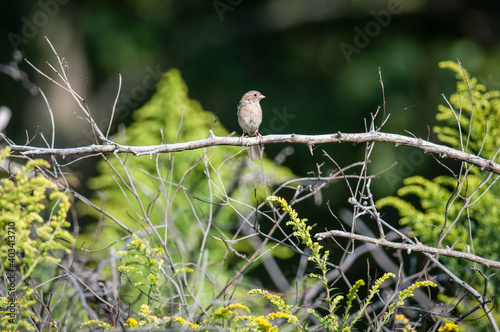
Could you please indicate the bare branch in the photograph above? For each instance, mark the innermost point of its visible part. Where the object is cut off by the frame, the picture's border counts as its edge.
(372, 136)
(411, 247)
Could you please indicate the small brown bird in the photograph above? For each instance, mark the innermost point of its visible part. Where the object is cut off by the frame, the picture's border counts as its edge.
(250, 117)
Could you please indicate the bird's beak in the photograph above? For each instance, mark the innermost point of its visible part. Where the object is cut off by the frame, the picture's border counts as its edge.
(262, 97)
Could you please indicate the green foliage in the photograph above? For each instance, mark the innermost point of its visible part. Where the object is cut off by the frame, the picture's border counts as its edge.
(433, 196)
(441, 199)
(33, 224)
(332, 322)
(175, 198)
(284, 310)
(160, 189)
(464, 211)
(234, 317)
(227, 313)
(302, 231)
(485, 114)
(142, 264)
(238, 317)
(403, 295)
(96, 324)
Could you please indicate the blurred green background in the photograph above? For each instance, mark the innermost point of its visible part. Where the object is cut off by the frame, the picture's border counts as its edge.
(317, 62)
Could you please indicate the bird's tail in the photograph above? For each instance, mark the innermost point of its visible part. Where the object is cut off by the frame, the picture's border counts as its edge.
(256, 151)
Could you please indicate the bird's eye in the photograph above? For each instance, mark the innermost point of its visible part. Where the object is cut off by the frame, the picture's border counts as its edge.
(255, 95)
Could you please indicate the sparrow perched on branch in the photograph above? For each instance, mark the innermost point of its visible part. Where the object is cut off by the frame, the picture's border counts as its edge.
(250, 118)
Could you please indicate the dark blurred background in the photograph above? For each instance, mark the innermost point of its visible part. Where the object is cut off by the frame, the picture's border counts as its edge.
(317, 61)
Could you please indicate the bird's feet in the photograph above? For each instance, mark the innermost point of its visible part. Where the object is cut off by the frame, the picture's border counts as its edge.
(259, 136)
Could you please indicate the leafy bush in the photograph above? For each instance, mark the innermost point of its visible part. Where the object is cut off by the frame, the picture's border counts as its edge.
(33, 224)
(460, 211)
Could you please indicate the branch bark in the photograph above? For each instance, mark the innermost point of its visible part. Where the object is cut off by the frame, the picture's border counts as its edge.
(309, 140)
(411, 247)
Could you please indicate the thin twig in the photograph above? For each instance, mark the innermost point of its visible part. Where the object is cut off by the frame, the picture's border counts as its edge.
(114, 105)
